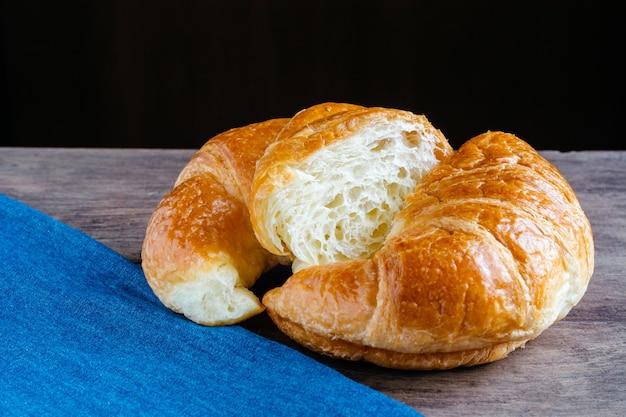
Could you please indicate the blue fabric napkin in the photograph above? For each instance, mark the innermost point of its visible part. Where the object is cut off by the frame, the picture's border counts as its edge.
(82, 334)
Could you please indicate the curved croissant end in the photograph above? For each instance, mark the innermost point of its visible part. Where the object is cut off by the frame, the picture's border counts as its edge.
(200, 254)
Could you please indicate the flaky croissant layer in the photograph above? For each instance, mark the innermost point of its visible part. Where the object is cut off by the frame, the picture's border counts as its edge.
(405, 253)
(328, 192)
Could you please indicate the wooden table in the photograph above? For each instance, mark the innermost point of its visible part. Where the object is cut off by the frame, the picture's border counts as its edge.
(575, 368)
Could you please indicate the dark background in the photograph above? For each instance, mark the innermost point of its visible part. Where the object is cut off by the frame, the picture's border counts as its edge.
(163, 74)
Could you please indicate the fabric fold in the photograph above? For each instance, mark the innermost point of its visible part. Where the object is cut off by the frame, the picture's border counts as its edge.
(82, 334)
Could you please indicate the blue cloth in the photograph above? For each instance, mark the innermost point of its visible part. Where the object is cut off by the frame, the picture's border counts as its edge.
(82, 334)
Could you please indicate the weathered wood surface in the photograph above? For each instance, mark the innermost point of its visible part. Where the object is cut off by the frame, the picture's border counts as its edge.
(576, 368)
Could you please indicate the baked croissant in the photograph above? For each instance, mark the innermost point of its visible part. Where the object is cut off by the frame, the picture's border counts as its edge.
(490, 249)
(200, 255)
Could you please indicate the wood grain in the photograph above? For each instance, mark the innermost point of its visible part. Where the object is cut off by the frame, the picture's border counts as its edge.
(576, 368)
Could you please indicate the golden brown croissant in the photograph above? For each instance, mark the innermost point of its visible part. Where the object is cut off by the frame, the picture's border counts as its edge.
(490, 249)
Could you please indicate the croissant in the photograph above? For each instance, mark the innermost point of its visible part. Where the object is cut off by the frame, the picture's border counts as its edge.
(489, 249)
(200, 255)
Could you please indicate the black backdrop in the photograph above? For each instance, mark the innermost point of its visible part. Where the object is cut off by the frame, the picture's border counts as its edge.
(158, 73)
